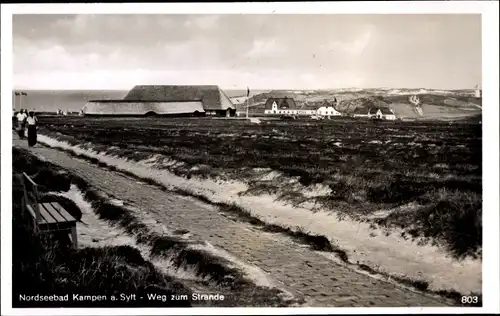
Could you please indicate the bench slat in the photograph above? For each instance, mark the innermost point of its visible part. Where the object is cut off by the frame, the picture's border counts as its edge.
(50, 215)
(45, 217)
(58, 208)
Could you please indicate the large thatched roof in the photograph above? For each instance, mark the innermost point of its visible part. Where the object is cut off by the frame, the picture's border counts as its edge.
(212, 97)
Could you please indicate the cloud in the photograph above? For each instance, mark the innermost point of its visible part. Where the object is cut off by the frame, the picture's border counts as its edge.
(264, 50)
(129, 30)
(203, 21)
(194, 54)
(29, 58)
(355, 46)
(61, 79)
(81, 23)
(51, 58)
(226, 78)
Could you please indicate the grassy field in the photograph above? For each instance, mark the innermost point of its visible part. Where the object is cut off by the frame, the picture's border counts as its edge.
(434, 167)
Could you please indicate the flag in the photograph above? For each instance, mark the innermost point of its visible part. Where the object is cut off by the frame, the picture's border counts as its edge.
(16, 93)
(24, 93)
(248, 91)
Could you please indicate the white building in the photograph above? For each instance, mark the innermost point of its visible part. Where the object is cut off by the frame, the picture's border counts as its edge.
(478, 92)
(360, 112)
(327, 111)
(285, 106)
(381, 113)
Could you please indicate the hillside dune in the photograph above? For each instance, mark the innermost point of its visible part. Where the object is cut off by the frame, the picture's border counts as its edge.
(435, 105)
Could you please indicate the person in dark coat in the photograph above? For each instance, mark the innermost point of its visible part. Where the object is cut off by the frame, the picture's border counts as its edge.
(32, 123)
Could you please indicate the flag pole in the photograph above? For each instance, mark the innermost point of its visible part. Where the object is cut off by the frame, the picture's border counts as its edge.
(248, 97)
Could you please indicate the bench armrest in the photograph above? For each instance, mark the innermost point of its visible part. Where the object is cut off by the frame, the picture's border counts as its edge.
(31, 211)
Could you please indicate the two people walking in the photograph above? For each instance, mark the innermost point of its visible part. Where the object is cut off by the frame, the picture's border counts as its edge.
(29, 120)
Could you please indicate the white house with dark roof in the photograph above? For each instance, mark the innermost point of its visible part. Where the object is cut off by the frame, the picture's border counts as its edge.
(285, 106)
(327, 109)
(381, 113)
(360, 112)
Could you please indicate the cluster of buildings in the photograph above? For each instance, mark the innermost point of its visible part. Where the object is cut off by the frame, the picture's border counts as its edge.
(287, 107)
(206, 100)
(380, 113)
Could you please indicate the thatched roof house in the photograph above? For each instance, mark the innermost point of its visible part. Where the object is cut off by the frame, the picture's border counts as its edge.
(383, 111)
(280, 104)
(165, 100)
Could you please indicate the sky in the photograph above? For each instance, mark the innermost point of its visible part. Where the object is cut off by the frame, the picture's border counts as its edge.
(266, 51)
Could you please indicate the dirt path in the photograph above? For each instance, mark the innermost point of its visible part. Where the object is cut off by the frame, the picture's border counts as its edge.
(322, 281)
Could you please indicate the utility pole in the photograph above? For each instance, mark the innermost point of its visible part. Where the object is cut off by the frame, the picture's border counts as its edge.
(247, 107)
(23, 94)
(248, 98)
(16, 96)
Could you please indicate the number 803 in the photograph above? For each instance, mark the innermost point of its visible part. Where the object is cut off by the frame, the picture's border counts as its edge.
(469, 300)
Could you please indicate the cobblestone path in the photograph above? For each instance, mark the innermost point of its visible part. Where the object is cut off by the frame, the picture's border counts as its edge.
(323, 282)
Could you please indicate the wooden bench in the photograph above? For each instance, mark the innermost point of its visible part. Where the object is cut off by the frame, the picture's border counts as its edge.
(47, 217)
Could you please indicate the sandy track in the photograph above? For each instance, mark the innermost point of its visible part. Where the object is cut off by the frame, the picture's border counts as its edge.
(99, 233)
(322, 281)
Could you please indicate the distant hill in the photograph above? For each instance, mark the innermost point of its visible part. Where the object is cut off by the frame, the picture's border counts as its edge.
(434, 103)
(349, 105)
(436, 106)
